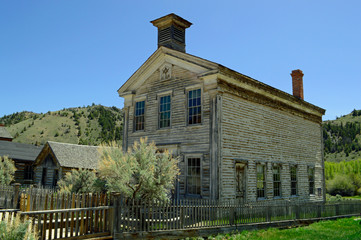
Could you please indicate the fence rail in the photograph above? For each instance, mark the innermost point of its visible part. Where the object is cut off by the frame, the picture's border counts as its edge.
(181, 215)
(65, 216)
(75, 222)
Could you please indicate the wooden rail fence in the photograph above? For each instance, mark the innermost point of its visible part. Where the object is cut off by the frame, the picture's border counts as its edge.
(132, 218)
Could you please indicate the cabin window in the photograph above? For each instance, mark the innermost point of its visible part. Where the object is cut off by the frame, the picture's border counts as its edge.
(276, 180)
(43, 177)
(293, 171)
(164, 111)
(55, 177)
(311, 179)
(261, 181)
(139, 116)
(193, 176)
(194, 107)
(28, 172)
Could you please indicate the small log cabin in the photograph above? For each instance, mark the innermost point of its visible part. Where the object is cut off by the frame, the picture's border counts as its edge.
(23, 156)
(237, 137)
(56, 159)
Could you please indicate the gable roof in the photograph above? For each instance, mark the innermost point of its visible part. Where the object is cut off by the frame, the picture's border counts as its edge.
(75, 156)
(19, 151)
(4, 133)
(210, 70)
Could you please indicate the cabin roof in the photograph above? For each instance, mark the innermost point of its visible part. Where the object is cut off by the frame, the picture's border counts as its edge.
(75, 156)
(19, 151)
(4, 133)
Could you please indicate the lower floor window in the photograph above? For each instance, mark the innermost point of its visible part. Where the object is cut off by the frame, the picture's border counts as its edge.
(311, 179)
(276, 181)
(28, 172)
(261, 181)
(194, 176)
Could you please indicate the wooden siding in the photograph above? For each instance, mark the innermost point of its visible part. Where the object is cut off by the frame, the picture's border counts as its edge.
(257, 133)
(50, 165)
(189, 139)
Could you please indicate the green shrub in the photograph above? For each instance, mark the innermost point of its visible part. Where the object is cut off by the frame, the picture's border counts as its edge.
(140, 173)
(17, 229)
(7, 170)
(342, 185)
(78, 181)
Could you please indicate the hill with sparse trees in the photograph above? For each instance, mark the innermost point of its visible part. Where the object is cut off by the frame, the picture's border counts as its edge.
(89, 125)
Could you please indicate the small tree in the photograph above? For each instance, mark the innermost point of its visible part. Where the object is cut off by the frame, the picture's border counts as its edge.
(140, 173)
(7, 170)
(78, 181)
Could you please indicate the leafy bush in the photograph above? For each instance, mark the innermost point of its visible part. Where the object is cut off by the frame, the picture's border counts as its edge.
(7, 170)
(140, 173)
(17, 230)
(78, 181)
(342, 185)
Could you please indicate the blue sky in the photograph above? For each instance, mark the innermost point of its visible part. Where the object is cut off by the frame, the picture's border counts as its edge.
(60, 54)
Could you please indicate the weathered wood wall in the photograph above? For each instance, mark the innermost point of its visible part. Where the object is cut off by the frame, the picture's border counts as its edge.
(190, 140)
(256, 133)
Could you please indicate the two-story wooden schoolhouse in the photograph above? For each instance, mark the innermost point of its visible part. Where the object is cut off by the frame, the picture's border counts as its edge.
(237, 138)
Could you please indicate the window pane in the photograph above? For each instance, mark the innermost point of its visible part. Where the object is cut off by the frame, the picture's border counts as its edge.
(194, 176)
(261, 184)
(194, 107)
(164, 112)
(139, 115)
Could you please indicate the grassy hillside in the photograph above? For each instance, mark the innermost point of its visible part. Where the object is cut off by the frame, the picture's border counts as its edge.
(342, 138)
(89, 125)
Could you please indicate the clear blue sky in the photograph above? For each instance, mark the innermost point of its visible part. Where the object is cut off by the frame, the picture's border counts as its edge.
(60, 54)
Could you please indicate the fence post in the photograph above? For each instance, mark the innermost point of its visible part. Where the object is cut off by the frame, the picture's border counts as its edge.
(297, 211)
(268, 214)
(16, 195)
(337, 210)
(114, 220)
(319, 210)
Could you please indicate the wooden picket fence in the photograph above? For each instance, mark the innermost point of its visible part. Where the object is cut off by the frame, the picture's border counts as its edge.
(138, 216)
(68, 215)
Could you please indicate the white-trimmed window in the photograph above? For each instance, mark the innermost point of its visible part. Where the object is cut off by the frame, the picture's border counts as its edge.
(193, 184)
(261, 181)
(294, 185)
(139, 115)
(194, 106)
(276, 180)
(311, 179)
(164, 111)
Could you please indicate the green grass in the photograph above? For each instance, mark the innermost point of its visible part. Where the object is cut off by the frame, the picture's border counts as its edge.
(345, 229)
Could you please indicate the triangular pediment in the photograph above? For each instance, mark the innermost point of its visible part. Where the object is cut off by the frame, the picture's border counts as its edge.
(160, 58)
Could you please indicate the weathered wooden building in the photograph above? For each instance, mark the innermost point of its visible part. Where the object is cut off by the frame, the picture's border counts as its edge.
(23, 156)
(56, 159)
(238, 138)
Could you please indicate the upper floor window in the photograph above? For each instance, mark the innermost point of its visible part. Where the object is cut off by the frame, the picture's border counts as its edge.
(194, 176)
(276, 181)
(261, 181)
(139, 116)
(293, 171)
(164, 111)
(311, 179)
(194, 107)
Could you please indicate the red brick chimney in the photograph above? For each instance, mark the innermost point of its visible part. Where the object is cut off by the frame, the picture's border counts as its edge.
(297, 83)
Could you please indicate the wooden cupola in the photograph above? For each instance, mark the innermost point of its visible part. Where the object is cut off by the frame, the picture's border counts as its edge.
(172, 31)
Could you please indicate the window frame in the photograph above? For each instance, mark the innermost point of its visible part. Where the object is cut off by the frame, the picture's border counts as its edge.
(170, 110)
(311, 180)
(135, 129)
(294, 180)
(263, 181)
(277, 183)
(28, 172)
(194, 88)
(187, 176)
